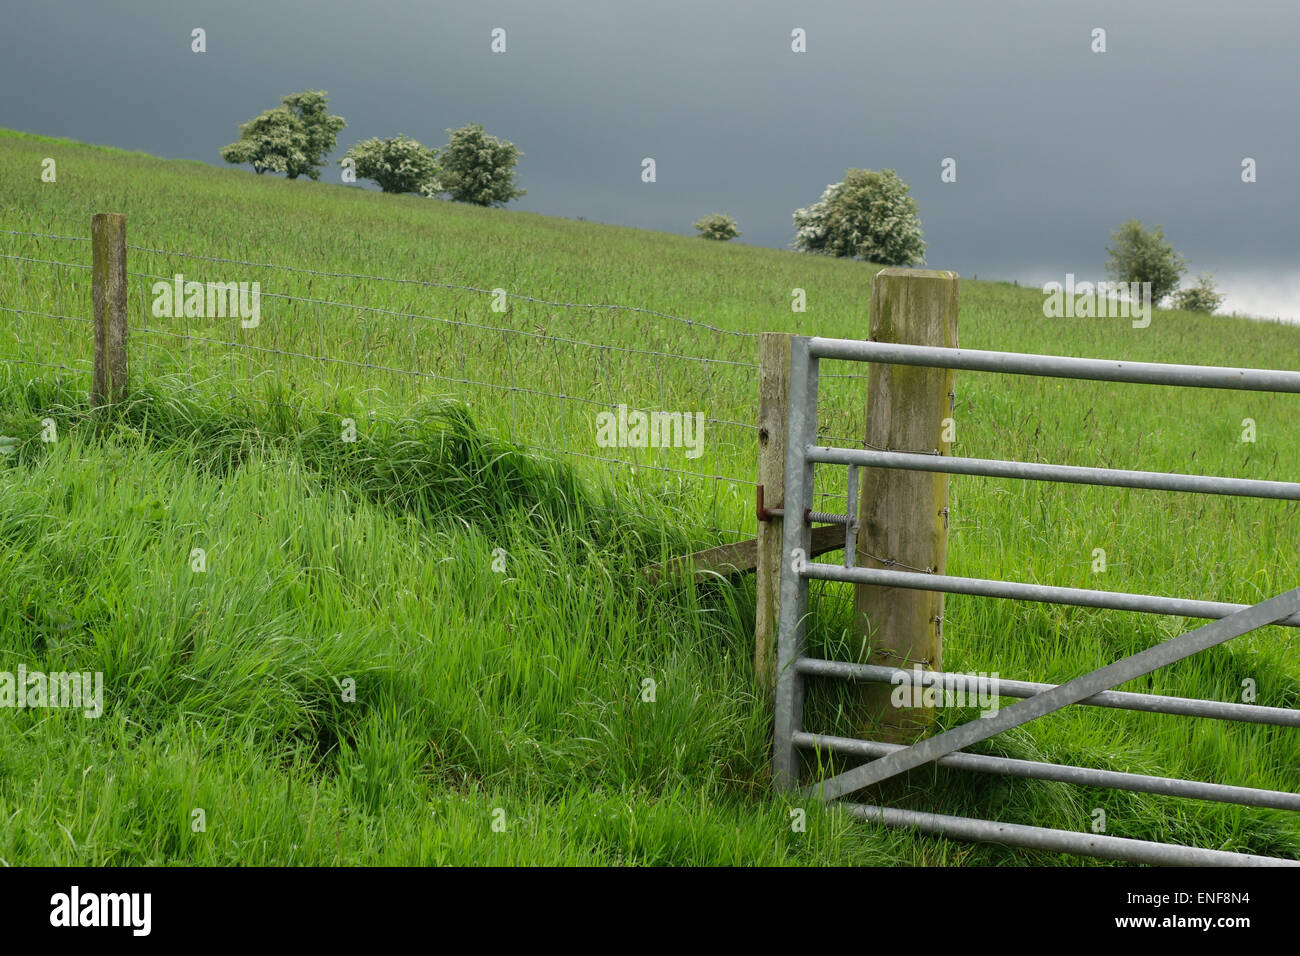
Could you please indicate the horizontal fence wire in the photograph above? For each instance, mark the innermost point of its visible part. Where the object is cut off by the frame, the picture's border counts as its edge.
(330, 344)
(472, 325)
(39, 317)
(720, 388)
(44, 235)
(447, 285)
(371, 361)
(48, 262)
(693, 323)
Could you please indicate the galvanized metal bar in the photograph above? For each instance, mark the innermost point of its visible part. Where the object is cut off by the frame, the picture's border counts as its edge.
(1056, 366)
(851, 529)
(796, 536)
(1040, 593)
(1081, 688)
(1116, 699)
(1071, 474)
(1060, 841)
(1066, 773)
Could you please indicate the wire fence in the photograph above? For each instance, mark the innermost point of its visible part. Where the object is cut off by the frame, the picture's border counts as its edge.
(559, 378)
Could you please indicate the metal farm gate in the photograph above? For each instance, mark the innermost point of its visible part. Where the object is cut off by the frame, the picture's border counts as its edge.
(1093, 689)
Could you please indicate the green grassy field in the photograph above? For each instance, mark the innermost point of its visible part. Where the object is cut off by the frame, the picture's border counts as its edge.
(469, 563)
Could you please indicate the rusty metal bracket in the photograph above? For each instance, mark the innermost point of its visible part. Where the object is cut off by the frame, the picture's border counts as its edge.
(765, 513)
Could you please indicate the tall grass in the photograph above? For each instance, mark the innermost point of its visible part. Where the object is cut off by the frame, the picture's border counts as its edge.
(485, 597)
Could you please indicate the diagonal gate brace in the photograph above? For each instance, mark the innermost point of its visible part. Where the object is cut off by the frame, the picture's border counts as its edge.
(1081, 688)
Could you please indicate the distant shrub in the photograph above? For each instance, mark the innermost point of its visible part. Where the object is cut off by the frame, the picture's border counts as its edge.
(293, 138)
(398, 164)
(1202, 297)
(870, 215)
(478, 168)
(1139, 255)
(718, 226)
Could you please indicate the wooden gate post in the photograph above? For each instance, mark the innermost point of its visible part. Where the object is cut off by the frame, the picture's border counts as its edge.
(904, 514)
(108, 296)
(773, 388)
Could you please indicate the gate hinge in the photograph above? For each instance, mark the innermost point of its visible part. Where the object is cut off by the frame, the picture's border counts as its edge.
(764, 513)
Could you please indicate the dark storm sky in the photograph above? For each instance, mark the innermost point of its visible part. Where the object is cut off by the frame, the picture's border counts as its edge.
(1055, 144)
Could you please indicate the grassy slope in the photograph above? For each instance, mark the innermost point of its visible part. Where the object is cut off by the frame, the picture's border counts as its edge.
(521, 690)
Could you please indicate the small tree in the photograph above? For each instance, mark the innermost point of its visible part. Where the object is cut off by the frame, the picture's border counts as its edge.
(478, 168)
(870, 215)
(1139, 255)
(1202, 297)
(293, 138)
(718, 226)
(398, 164)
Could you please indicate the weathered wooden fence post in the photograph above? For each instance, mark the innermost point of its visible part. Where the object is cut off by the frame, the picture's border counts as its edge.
(904, 514)
(108, 296)
(773, 386)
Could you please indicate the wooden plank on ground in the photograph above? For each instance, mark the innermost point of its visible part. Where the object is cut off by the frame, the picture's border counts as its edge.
(738, 558)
